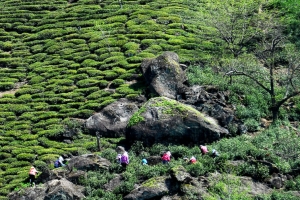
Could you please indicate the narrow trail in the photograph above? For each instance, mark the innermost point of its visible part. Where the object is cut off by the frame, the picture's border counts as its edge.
(14, 90)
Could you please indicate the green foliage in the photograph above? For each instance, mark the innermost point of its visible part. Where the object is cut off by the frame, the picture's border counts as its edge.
(87, 83)
(257, 171)
(63, 61)
(204, 76)
(26, 156)
(127, 185)
(227, 187)
(252, 125)
(136, 117)
(293, 184)
(278, 195)
(6, 85)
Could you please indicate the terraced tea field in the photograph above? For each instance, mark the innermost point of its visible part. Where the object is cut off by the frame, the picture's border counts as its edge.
(69, 60)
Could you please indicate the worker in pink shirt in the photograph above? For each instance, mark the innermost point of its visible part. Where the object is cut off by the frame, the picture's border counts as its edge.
(203, 149)
(166, 157)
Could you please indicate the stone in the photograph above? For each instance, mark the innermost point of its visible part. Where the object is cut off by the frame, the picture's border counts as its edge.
(152, 189)
(88, 162)
(51, 190)
(164, 75)
(113, 119)
(163, 120)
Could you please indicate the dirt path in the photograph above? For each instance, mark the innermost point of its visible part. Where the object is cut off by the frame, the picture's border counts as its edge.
(14, 90)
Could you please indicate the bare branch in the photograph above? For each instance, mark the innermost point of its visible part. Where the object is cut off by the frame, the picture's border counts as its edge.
(295, 93)
(238, 73)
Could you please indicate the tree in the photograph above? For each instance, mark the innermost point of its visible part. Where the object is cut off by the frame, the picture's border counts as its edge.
(272, 62)
(236, 22)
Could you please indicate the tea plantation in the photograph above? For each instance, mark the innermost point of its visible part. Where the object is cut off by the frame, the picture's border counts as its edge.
(63, 61)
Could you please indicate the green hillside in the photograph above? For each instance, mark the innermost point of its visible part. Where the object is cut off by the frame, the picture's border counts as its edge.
(62, 61)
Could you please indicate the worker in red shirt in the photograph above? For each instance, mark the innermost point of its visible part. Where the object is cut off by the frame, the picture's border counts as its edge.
(166, 157)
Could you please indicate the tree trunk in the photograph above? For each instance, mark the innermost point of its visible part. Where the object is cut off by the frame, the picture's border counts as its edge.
(275, 113)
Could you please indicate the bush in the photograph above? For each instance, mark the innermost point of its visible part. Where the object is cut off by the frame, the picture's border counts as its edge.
(228, 187)
(293, 184)
(196, 169)
(127, 185)
(4, 155)
(278, 195)
(252, 125)
(26, 156)
(89, 63)
(148, 172)
(257, 171)
(6, 85)
(25, 98)
(87, 83)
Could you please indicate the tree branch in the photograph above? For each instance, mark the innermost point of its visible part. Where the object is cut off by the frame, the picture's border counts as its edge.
(237, 73)
(279, 103)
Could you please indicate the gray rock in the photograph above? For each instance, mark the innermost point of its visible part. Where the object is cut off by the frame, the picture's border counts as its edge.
(209, 100)
(180, 174)
(152, 189)
(113, 119)
(63, 189)
(113, 183)
(164, 75)
(154, 160)
(51, 190)
(163, 120)
(277, 180)
(88, 162)
(60, 173)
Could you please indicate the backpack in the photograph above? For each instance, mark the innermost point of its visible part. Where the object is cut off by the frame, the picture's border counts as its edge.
(56, 164)
(124, 159)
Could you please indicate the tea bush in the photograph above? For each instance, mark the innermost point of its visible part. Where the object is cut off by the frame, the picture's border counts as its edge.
(26, 156)
(228, 187)
(257, 171)
(278, 195)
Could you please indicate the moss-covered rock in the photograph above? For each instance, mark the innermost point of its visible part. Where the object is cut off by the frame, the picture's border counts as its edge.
(164, 120)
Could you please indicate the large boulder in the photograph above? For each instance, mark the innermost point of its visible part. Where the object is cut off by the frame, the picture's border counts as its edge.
(246, 184)
(180, 174)
(153, 189)
(164, 75)
(60, 173)
(210, 100)
(51, 190)
(88, 162)
(154, 160)
(114, 183)
(112, 120)
(163, 120)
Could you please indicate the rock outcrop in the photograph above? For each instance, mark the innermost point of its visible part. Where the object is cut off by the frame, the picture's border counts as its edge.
(210, 101)
(113, 119)
(60, 173)
(181, 184)
(88, 162)
(164, 75)
(180, 174)
(206, 119)
(114, 183)
(51, 190)
(153, 188)
(163, 120)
